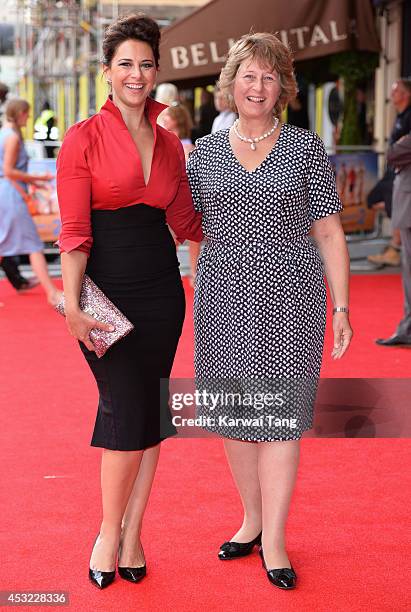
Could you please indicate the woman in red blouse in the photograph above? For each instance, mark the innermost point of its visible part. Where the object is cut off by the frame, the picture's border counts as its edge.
(121, 179)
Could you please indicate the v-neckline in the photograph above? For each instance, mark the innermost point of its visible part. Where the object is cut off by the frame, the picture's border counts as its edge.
(265, 158)
(139, 157)
(152, 108)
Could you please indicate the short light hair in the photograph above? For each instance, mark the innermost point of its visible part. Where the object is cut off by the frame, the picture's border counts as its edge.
(267, 49)
(406, 83)
(166, 93)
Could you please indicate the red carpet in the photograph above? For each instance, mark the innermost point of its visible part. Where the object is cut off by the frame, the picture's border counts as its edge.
(349, 516)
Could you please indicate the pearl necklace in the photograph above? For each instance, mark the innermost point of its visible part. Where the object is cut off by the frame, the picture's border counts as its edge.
(254, 141)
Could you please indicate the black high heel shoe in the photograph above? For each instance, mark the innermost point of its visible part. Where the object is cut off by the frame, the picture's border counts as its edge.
(234, 550)
(100, 579)
(283, 578)
(132, 574)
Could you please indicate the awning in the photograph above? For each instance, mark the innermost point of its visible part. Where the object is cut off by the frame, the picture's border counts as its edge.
(195, 46)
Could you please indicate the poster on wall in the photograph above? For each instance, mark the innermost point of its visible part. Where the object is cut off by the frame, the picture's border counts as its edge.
(43, 202)
(355, 176)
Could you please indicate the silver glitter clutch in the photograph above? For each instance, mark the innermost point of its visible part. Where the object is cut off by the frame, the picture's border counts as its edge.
(95, 303)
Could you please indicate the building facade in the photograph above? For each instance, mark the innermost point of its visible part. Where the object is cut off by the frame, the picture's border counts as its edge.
(58, 46)
(58, 43)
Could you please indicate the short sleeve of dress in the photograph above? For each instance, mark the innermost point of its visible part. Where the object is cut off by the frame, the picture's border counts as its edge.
(193, 173)
(323, 198)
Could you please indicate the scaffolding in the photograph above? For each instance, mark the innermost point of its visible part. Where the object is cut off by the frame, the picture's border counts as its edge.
(53, 58)
(58, 45)
(57, 48)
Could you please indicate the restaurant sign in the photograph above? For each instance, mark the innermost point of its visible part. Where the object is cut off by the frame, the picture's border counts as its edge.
(201, 53)
(196, 46)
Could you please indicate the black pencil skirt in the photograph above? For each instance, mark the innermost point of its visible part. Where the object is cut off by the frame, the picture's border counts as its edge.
(133, 260)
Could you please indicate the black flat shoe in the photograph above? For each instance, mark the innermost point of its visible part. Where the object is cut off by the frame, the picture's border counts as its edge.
(27, 285)
(394, 341)
(101, 579)
(132, 574)
(283, 578)
(234, 550)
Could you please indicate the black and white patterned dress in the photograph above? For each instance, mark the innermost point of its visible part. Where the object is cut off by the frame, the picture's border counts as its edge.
(260, 298)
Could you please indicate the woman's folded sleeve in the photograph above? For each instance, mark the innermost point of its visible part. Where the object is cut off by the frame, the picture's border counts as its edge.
(74, 195)
(180, 214)
(323, 198)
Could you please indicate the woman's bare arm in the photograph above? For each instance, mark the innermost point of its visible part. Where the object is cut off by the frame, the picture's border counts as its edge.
(329, 236)
(11, 153)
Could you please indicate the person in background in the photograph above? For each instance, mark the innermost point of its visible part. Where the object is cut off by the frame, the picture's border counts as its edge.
(10, 264)
(380, 196)
(206, 115)
(365, 128)
(177, 119)
(4, 90)
(226, 117)
(43, 128)
(18, 234)
(296, 114)
(297, 109)
(399, 156)
(166, 93)
(20, 283)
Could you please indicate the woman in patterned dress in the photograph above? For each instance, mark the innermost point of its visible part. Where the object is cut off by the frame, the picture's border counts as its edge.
(260, 299)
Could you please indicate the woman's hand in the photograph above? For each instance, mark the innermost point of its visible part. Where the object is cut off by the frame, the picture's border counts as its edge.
(342, 334)
(80, 324)
(39, 179)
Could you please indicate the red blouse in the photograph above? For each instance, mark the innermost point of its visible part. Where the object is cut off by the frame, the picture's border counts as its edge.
(99, 167)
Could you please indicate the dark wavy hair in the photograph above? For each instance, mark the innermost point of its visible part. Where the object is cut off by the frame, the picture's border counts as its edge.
(136, 27)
